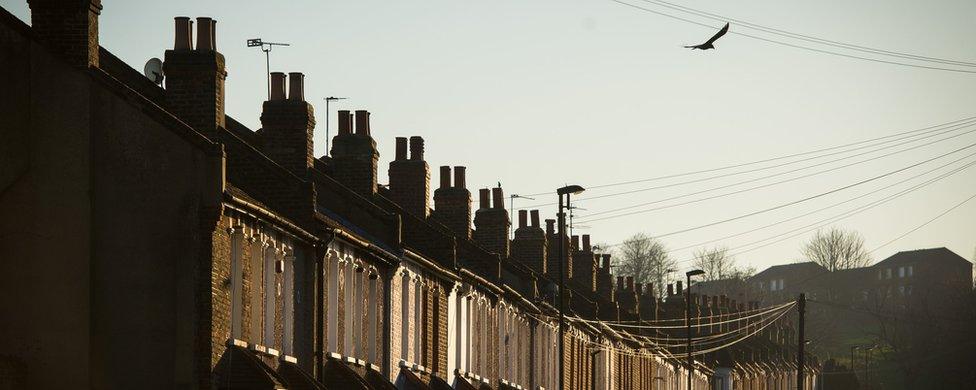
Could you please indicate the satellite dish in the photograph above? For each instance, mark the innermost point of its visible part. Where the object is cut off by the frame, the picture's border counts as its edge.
(154, 70)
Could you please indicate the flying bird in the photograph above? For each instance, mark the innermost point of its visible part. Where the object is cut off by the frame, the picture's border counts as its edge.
(709, 43)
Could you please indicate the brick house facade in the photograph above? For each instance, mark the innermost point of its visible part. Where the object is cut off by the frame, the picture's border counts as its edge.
(198, 253)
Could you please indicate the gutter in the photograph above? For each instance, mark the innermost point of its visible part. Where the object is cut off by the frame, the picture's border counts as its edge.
(264, 213)
(441, 271)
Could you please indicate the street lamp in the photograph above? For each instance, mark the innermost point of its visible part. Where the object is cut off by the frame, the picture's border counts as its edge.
(853, 348)
(567, 191)
(327, 101)
(688, 276)
(867, 356)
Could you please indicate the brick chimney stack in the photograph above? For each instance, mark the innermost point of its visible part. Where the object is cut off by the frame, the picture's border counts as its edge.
(68, 28)
(491, 225)
(604, 280)
(584, 263)
(195, 77)
(452, 204)
(529, 245)
(354, 154)
(553, 261)
(410, 178)
(679, 288)
(287, 124)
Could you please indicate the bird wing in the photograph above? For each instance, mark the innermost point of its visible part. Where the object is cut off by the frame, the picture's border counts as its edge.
(719, 34)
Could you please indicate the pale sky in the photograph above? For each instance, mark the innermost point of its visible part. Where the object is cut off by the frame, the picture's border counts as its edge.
(537, 94)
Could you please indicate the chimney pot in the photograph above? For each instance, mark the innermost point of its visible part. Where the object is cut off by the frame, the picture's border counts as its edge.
(296, 86)
(550, 227)
(630, 283)
(535, 218)
(401, 148)
(679, 288)
(445, 176)
(670, 289)
(459, 181)
(498, 199)
(416, 148)
(484, 196)
(523, 216)
(606, 262)
(277, 86)
(345, 122)
(586, 243)
(576, 245)
(184, 34)
(205, 34)
(362, 122)
(620, 282)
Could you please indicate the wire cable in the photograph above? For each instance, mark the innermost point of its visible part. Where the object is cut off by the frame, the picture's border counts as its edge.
(738, 165)
(773, 41)
(808, 198)
(808, 38)
(872, 192)
(957, 205)
(588, 218)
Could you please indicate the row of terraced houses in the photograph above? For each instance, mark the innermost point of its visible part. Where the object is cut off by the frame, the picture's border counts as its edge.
(151, 241)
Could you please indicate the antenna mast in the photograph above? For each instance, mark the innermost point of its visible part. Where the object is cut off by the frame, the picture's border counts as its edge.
(266, 48)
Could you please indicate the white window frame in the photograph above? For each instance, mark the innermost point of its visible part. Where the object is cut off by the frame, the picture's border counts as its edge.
(288, 303)
(236, 283)
(271, 254)
(333, 302)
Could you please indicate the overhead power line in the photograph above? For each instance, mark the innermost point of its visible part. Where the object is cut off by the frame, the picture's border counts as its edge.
(872, 192)
(588, 217)
(588, 220)
(957, 205)
(808, 38)
(797, 46)
(739, 165)
(851, 212)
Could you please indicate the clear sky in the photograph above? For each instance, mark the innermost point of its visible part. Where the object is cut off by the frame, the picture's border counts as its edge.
(536, 94)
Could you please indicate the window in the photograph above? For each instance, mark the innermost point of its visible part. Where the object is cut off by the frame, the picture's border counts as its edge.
(270, 292)
(333, 303)
(372, 344)
(762, 286)
(880, 274)
(888, 273)
(405, 317)
(908, 290)
(781, 284)
(901, 272)
(901, 290)
(910, 270)
(236, 285)
(349, 306)
(417, 321)
(288, 300)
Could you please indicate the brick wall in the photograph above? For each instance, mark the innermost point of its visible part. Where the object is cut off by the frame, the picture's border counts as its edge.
(286, 134)
(491, 224)
(410, 178)
(195, 88)
(354, 154)
(529, 246)
(452, 204)
(69, 28)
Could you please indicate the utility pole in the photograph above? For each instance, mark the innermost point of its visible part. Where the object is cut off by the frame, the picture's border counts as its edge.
(567, 191)
(801, 342)
(511, 210)
(266, 48)
(327, 100)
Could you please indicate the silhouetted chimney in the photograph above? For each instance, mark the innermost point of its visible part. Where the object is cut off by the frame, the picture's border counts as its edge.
(679, 288)
(452, 204)
(195, 78)
(555, 236)
(354, 154)
(288, 125)
(491, 225)
(529, 245)
(410, 178)
(68, 28)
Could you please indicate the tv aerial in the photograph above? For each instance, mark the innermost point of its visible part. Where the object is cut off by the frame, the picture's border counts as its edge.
(154, 70)
(266, 48)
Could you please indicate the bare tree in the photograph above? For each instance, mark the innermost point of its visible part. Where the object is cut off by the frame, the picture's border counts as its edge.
(646, 259)
(715, 262)
(837, 249)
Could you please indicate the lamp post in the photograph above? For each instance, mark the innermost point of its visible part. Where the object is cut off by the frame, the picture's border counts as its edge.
(564, 191)
(688, 276)
(327, 101)
(853, 348)
(867, 355)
